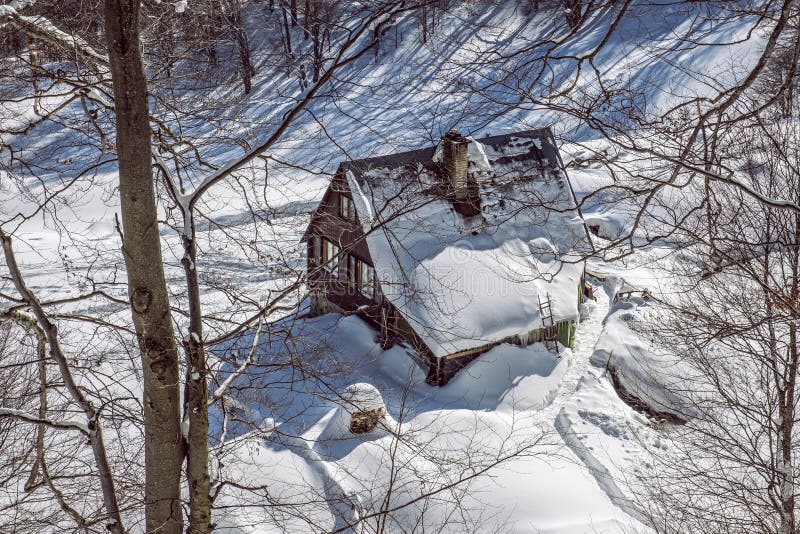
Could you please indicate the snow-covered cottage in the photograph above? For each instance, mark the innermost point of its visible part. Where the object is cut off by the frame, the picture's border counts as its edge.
(453, 249)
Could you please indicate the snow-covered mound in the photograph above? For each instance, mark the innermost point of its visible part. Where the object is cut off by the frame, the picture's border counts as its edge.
(649, 375)
(361, 410)
(509, 378)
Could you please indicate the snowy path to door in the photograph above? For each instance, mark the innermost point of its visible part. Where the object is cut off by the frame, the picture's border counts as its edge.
(585, 340)
(562, 411)
(570, 489)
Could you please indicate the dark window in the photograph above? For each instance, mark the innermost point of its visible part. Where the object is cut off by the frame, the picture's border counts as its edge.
(362, 276)
(367, 283)
(346, 210)
(330, 256)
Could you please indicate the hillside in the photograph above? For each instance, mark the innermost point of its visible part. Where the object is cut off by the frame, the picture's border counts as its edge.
(521, 440)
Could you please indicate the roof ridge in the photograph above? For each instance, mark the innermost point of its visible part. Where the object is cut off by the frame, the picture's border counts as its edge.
(489, 140)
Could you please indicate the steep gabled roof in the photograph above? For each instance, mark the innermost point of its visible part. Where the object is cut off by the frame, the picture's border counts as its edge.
(462, 283)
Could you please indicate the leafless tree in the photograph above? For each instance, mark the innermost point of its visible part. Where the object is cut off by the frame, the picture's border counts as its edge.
(117, 125)
(685, 141)
(732, 467)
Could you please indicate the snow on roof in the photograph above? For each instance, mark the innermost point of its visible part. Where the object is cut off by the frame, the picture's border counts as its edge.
(462, 283)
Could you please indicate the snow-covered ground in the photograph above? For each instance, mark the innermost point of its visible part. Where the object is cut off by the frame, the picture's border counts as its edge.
(564, 444)
(568, 438)
(567, 448)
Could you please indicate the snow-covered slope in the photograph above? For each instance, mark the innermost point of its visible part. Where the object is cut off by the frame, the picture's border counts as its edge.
(499, 411)
(563, 441)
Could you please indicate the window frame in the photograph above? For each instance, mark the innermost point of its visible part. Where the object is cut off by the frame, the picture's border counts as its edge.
(331, 253)
(316, 250)
(357, 275)
(346, 208)
(365, 269)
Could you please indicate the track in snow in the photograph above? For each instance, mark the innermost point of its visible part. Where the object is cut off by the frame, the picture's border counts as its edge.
(579, 365)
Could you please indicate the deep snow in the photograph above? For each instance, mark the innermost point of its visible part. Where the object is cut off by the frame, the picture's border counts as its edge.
(576, 479)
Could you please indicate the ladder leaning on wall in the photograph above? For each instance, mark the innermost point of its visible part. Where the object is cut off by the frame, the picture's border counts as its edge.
(550, 337)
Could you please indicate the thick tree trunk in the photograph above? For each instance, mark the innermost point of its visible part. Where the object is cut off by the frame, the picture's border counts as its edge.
(788, 518)
(147, 287)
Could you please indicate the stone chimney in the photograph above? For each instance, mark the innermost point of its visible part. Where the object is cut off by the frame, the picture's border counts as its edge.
(462, 189)
(455, 161)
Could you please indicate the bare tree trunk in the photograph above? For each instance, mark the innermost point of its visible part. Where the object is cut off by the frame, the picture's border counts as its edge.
(147, 286)
(572, 12)
(786, 466)
(288, 33)
(41, 352)
(243, 47)
(196, 398)
(306, 20)
(33, 58)
(317, 46)
(788, 520)
(423, 13)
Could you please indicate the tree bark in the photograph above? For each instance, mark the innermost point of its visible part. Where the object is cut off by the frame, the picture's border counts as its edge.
(196, 398)
(572, 12)
(243, 47)
(788, 519)
(306, 20)
(424, 17)
(317, 46)
(288, 33)
(147, 287)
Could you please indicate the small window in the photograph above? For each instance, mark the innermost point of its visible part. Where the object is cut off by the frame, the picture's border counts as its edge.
(330, 256)
(366, 279)
(351, 269)
(346, 210)
(362, 276)
(367, 282)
